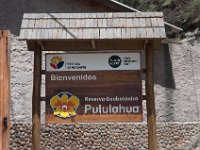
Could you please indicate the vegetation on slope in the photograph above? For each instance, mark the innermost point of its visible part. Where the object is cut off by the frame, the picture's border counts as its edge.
(183, 13)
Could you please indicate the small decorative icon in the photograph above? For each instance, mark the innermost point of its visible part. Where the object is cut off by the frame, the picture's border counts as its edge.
(64, 104)
(114, 61)
(57, 62)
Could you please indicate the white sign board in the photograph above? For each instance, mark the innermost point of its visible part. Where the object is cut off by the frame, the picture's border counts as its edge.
(100, 62)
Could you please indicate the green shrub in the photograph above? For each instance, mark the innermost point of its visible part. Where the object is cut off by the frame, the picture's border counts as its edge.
(195, 3)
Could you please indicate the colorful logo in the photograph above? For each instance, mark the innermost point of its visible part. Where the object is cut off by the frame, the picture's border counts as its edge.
(64, 105)
(114, 61)
(56, 62)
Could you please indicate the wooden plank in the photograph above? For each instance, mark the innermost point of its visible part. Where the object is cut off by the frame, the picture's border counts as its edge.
(116, 22)
(103, 33)
(154, 22)
(56, 24)
(99, 15)
(41, 24)
(129, 22)
(122, 22)
(123, 33)
(115, 15)
(29, 34)
(54, 33)
(129, 15)
(162, 33)
(66, 23)
(4, 91)
(121, 15)
(100, 22)
(36, 122)
(31, 23)
(109, 33)
(50, 33)
(82, 24)
(37, 23)
(46, 34)
(126, 33)
(110, 15)
(117, 33)
(25, 16)
(52, 24)
(150, 101)
(91, 33)
(77, 23)
(34, 34)
(48, 23)
(22, 34)
(143, 33)
(72, 34)
(109, 22)
(158, 14)
(138, 33)
(64, 34)
(133, 33)
(160, 22)
(24, 23)
(148, 22)
(136, 22)
(104, 23)
(142, 22)
(95, 23)
(72, 23)
(149, 32)
(156, 33)
(44, 26)
(80, 33)
(78, 15)
(62, 22)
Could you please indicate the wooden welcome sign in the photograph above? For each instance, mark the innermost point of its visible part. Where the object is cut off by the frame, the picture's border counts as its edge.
(93, 87)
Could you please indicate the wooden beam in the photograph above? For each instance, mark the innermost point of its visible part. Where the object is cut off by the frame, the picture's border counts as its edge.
(85, 45)
(36, 98)
(150, 102)
(4, 91)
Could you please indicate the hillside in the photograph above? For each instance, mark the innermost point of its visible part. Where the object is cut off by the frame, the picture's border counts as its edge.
(184, 14)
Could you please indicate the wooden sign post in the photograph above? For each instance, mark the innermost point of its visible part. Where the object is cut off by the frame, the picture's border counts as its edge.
(150, 101)
(36, 99)
(4, 91)
(74, 98)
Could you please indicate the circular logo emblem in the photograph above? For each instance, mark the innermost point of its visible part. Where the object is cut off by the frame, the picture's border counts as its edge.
(56, 62)
(64, 104)
(114, 61)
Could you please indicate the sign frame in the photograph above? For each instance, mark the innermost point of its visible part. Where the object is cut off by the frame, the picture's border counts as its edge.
(100, 118)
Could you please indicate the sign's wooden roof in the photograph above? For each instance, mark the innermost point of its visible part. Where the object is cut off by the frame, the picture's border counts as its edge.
(129, 25)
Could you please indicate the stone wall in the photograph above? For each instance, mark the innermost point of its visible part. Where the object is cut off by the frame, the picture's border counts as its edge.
(112, 136)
